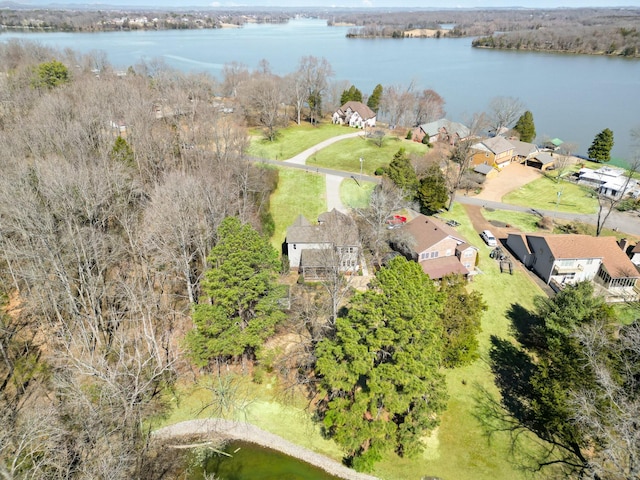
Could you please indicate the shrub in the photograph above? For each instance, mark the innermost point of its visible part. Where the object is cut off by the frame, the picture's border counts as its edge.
(545, 223)
(409, 135)
(380, 171)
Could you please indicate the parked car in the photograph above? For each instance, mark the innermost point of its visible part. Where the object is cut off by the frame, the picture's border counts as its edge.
(488, 238)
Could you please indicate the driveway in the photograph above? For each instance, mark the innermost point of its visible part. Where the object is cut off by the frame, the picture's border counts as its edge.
(510, 178)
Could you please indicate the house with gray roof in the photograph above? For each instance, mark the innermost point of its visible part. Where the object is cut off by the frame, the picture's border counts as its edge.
(442, 130)
(332, 242)
(495, 151)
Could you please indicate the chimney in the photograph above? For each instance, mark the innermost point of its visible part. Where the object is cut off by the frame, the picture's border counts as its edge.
(623, 243)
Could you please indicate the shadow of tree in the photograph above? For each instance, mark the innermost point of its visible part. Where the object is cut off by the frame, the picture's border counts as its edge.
(525, 326)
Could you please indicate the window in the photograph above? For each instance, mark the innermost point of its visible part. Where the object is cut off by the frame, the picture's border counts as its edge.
(566, 263)
(434, 254)
(448, 254)
(590, 261)
(424, 255)
(468, 253)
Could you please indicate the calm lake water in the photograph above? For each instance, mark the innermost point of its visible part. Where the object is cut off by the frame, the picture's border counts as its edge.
(572, 97)
(252, 462)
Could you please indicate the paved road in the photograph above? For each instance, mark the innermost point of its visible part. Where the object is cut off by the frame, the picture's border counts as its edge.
(624, 222)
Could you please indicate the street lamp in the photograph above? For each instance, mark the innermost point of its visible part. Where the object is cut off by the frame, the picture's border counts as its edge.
(361, 162)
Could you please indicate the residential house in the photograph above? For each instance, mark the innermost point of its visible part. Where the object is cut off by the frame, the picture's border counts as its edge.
(442, 130)
(609, 181)
(523, 151)
(438, 248)
(332, 242)
(355, 114)
(543, 161)
(496, 151)
(568, 259)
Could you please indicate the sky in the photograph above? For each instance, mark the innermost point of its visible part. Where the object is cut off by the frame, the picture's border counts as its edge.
(343, 3)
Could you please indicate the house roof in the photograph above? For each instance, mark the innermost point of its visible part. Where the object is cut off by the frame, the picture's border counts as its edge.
(613, 258)
(432, 128)
(636, 249)
(483, 169)
(544, 158)
(363, 110)
(498, 144)
(333, 227)
(428, 231)
(437, 268)
(523, 149)
(495, 145)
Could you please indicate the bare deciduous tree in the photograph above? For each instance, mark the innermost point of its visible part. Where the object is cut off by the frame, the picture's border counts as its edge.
(503, 112)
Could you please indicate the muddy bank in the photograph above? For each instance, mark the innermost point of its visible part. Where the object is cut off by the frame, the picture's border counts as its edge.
(219, 429)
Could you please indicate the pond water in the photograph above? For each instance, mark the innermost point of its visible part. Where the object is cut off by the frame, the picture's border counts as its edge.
(253, 462)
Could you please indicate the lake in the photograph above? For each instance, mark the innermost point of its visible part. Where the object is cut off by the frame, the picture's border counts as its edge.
(572, 97)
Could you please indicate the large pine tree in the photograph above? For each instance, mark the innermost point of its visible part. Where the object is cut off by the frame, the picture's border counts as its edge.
(240, 309)
(525, 127)
(600, 149)
(381, 370)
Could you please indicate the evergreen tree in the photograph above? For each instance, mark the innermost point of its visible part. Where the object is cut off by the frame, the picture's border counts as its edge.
(525, 127)
(461, 320)
(401, 172)
(433, 192)
(242, 294)
(351, 95)
(374, 100)
(600, 149)
(51, 74)
(122, 152)
(380, 370)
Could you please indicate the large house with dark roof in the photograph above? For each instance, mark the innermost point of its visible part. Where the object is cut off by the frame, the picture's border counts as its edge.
(438, 248)
(315, 248)
(567, 259)
(355, 114)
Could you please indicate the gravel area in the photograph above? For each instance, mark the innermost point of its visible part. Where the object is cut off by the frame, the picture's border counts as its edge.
(226, 429)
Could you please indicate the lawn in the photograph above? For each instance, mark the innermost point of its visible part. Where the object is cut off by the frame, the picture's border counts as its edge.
(346, 155)
(295, 139)
(298, 192)
(460, 449)
(525, 222)
(542, 194)
(356, 195)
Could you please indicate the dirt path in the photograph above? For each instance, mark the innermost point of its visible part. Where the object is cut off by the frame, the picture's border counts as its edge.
(217, 428)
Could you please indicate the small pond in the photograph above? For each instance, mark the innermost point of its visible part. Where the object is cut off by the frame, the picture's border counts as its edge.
(253, 462)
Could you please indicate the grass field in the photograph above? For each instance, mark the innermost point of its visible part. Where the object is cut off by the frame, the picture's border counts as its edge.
(294, 139)
(542, 194)
(346, 155)
(459, 449)
(526, 222)
(355, 196)
(298, 192)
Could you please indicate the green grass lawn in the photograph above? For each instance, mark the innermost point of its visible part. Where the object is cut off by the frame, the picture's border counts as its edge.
(461, 449)
(345, 155)
(526, 222)
(298, 192)
(542, 194)
(355, 196)
(295, 139)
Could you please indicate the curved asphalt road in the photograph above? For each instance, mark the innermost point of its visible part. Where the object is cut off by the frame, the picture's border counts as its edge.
(621, 221)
